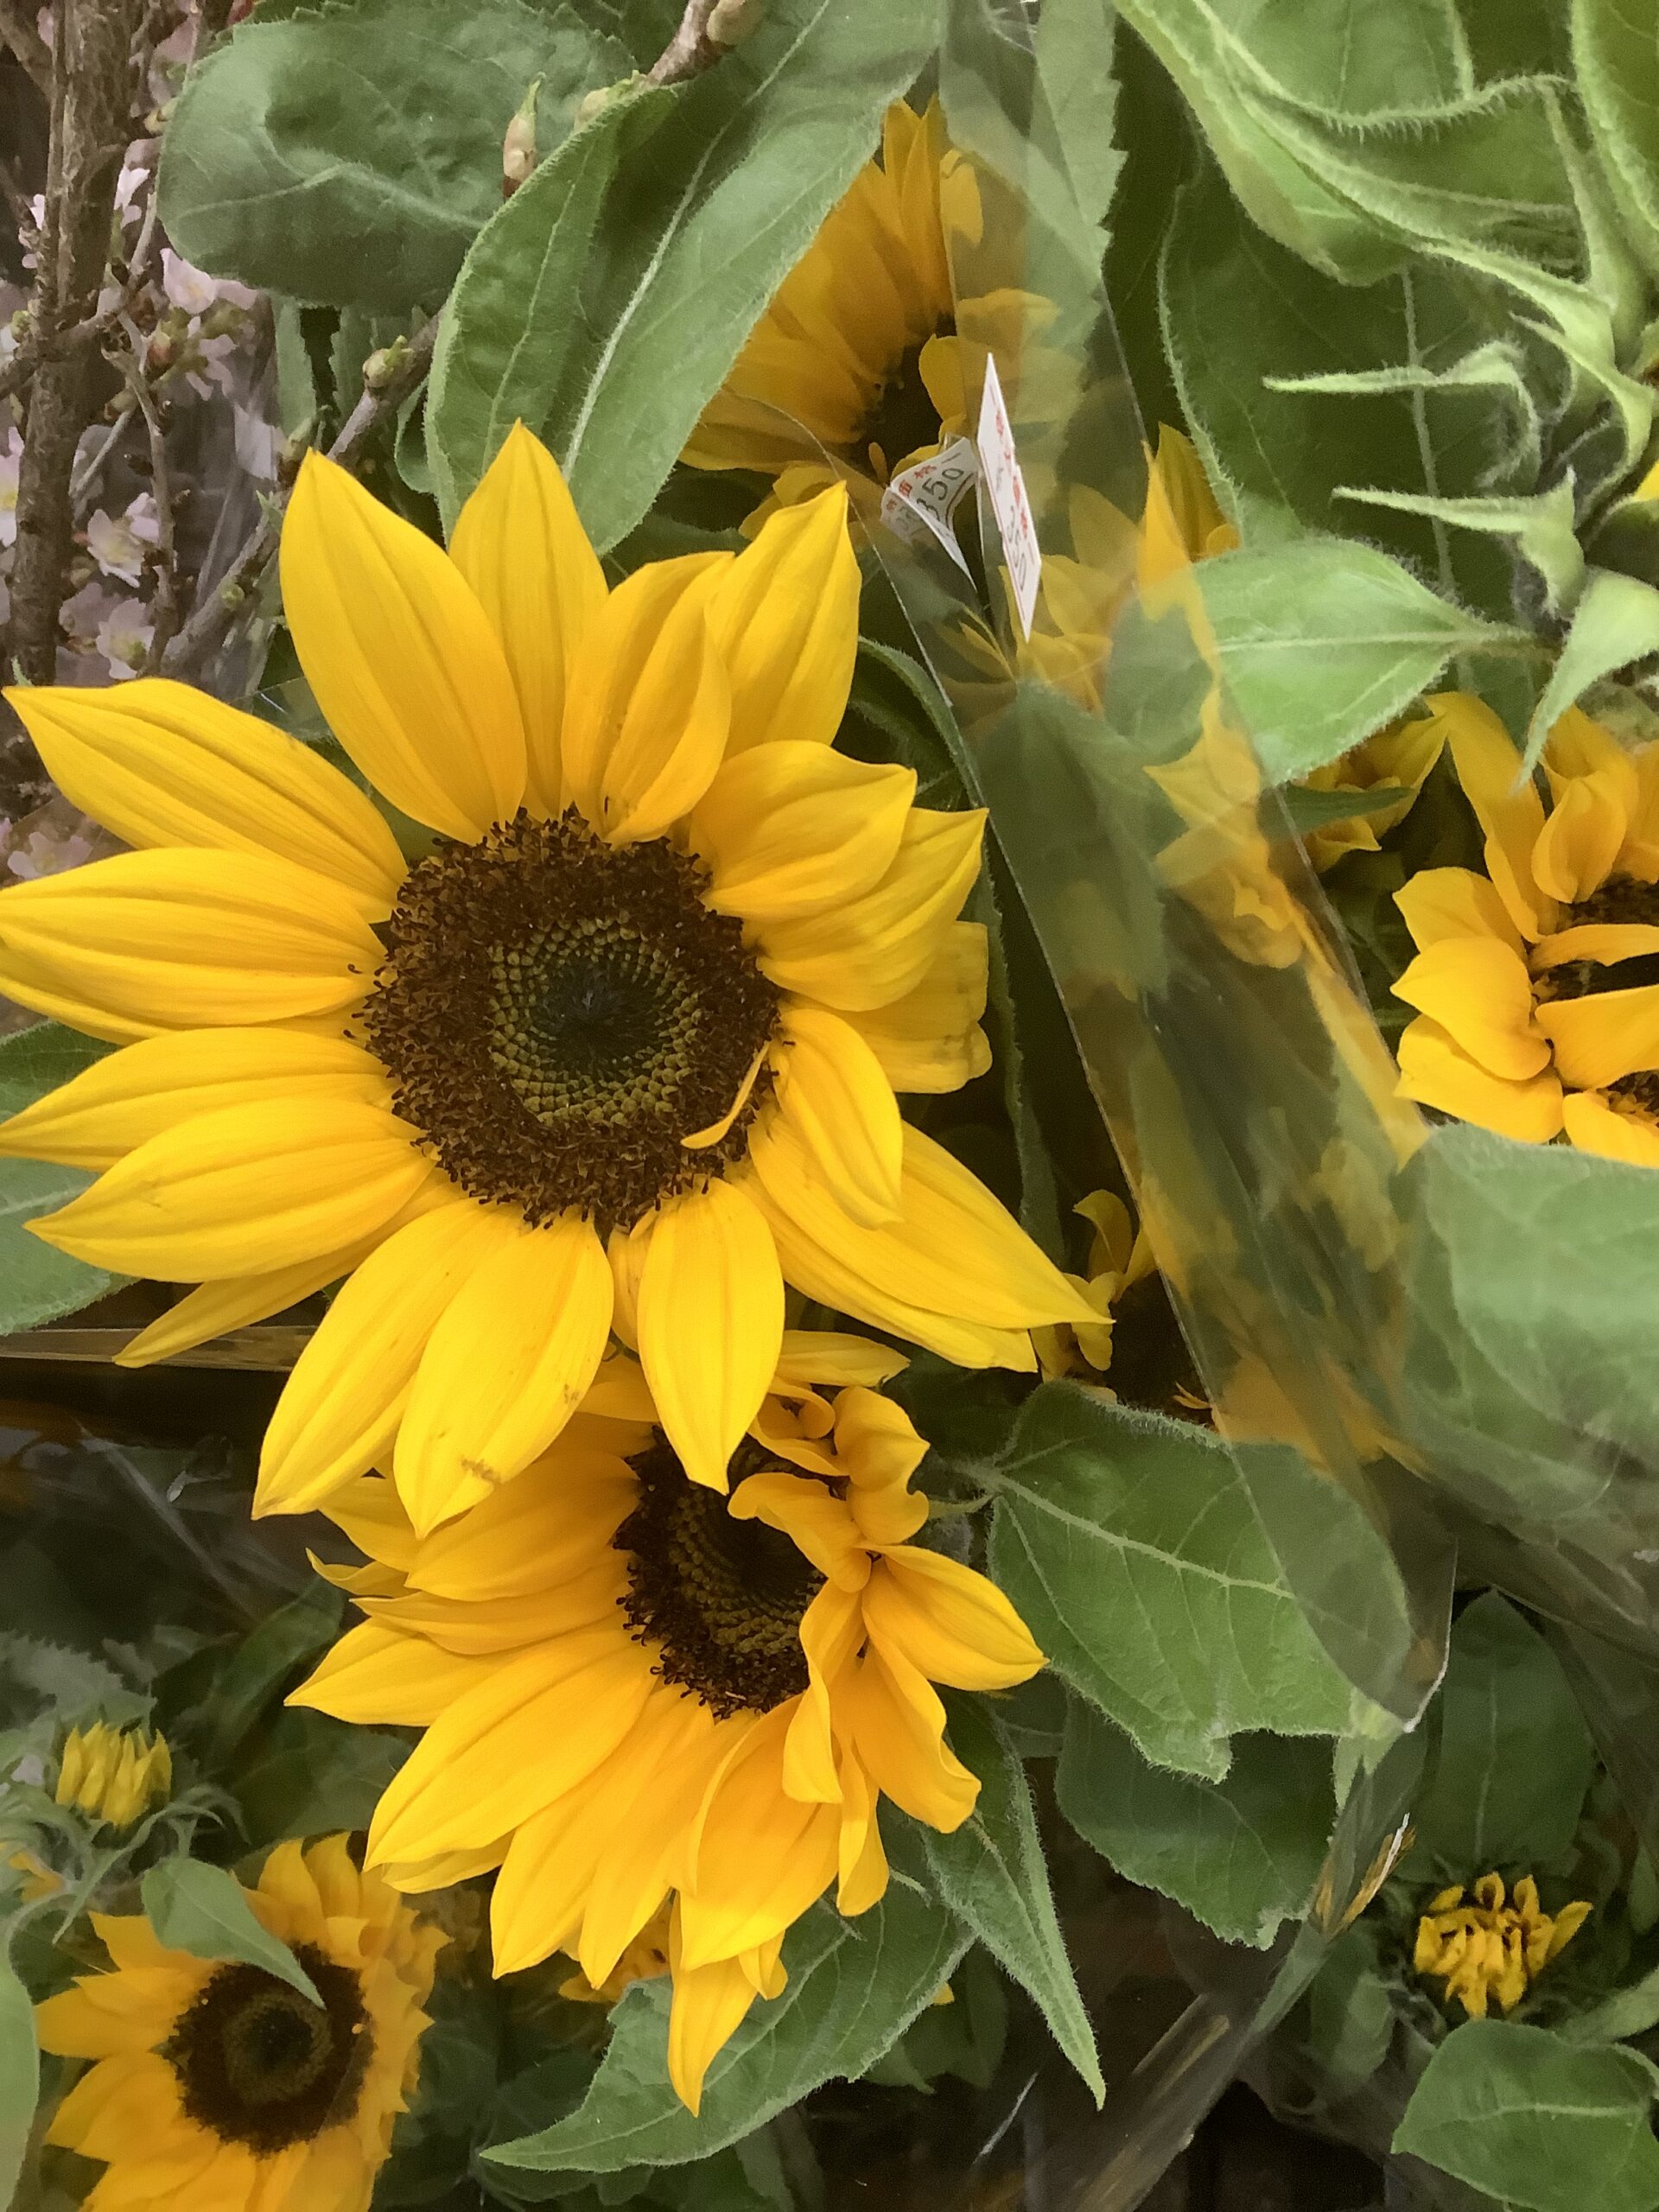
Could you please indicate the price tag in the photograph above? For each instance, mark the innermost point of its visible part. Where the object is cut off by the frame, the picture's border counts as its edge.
(1009, 504)
(922, 501)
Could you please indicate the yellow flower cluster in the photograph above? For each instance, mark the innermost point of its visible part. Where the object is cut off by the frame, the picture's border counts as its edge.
(1490, 1950)
(114, 1775)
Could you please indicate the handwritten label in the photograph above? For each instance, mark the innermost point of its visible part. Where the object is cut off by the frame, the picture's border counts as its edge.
(922, 501)
(1009, 504)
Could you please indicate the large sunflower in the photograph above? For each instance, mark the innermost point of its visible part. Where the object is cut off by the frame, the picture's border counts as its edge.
(219, 2088)
(633, 1688)
(1537, 1012)
(630, 1032)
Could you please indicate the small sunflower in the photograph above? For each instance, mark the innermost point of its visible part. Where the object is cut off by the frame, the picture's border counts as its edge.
(628, 1039)
(859, 343)
(1537, 1010)
(218, 2088)
(635, 1690)
(114, 1775)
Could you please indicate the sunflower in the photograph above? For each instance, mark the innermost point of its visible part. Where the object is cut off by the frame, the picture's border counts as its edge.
(114, 1775)
(1536, 1012)
(1389, 769)
(217, 2086)
(859, 343)
(638, 1691)
(626, 1038)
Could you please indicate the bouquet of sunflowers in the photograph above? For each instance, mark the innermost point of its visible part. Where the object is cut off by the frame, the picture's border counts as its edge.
(829, 1231)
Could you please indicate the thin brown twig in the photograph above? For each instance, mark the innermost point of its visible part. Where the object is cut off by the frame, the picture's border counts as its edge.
(18, 32)
(166, 605)
(35, 351)
(206, 631)
(698, 44)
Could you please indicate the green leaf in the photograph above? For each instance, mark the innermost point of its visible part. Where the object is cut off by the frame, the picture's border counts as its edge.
(992, 1873)
(204, 1909)
(1297, 383)
(1617, 59)
(1350, 2013)
(1242, 1855)
(1516, 2112)
(1322, 642)
(1541, 523)
(310, 1774)
(350, 158)
(1615, 621)
(1515, 1759)
(20, 2075)
(36, 1282)
(265, 1662)
(1347, 57)
(1132, 1549)
(1074, 61)
(605, 302)
(854, 1987)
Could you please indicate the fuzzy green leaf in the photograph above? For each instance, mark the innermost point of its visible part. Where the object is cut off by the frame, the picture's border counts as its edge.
(203, 1910)
(1616, 51)
(1323, 642)
(350, 158)
(1541, 523)
(20, 2075)
(36, 1282)
(1516, 2112)
(1616, 620)
(854, 1987)
(1242, 1855)
(310, 1774)
(1133, 1550)
(992, 1873)
(607, 299)
(1515, 1757)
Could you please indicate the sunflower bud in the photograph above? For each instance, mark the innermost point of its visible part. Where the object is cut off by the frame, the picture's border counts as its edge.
(383, 364)
(518, 146)
(730, 21)
(113, 1774)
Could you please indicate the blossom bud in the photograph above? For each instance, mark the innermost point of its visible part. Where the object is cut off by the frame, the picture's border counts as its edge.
(114, 1775)
(383, 364)
(518, 146)
(730, 21)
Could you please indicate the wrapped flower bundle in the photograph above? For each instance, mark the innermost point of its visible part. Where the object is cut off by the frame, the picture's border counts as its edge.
(829, 1188)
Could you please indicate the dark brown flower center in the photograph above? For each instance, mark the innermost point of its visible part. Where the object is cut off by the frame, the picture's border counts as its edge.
(722, 1599)
(260, 2065)
(1621, 900)
(558, 1013)
(902, 414)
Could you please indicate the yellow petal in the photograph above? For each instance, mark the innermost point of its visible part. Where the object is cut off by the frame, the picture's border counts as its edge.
(949, 1621)
(649, 704)
(401, 656)
(711, 1323)
(1598, 1039)
(1578, 845)
(1454, 902)
(379, 1674)
(1606, 942)
(339, 1408)
(832, 1634)
(789, 829)
(160, 764)
(761, 1858)
(954, 1248)
(833, 1095)
(132, 1096)
(538, 1724)
(1594, 1126)
(520, 543)
(1579, 747)
(504, 1368)
(1436, 1071)
(814, 1519)
(145, 943)
(708, 2008)
(1480, 991)
(813, 1356)
(244, 1191)
(898, 1727)
(863, 1862)
(870, 950)
(657, 1798)
(785, 616)
(238, 1302)
(534, 1535)
(1506, 804)
(929, 1040)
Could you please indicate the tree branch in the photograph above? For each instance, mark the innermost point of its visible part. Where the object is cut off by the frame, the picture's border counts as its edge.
(207, 628)
(92, 102)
